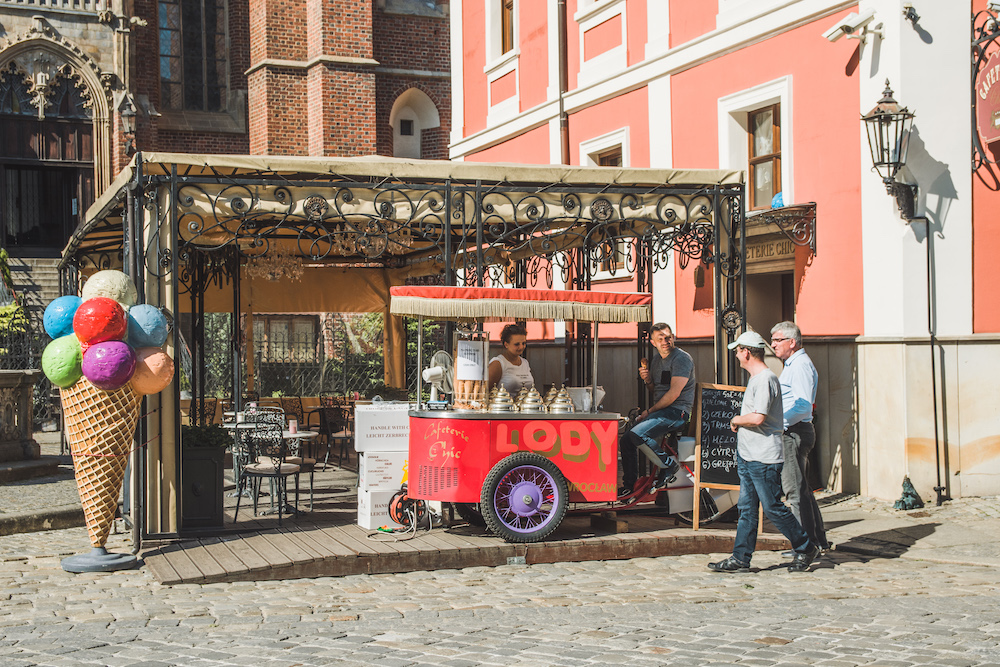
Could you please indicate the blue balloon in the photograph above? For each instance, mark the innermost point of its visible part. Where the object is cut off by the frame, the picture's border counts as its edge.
(778, 201)
(58, 317)
(147, 327)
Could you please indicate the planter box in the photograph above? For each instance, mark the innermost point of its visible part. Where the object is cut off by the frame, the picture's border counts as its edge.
(203, 483)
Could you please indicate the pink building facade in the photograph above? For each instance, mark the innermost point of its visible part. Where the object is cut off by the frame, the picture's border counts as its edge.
(899, 315)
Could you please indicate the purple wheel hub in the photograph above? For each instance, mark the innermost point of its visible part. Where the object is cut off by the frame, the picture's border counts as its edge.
(525, 498)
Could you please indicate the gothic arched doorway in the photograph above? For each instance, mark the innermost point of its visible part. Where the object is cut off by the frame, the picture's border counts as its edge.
(46, 160)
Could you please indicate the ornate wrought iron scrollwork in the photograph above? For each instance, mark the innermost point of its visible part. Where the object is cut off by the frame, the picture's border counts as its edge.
(797, 222)
(985, 42)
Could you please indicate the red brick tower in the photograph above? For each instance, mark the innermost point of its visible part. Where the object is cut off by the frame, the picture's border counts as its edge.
(344, 77)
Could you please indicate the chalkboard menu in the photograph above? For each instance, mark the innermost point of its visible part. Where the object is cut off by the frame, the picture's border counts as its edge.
(715, 405)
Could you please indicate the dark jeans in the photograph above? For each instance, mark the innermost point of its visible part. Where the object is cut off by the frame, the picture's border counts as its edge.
(760, 484)
(649, 432)
(798, 441)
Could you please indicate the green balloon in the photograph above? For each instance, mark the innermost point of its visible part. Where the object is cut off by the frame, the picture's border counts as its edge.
(62, 361)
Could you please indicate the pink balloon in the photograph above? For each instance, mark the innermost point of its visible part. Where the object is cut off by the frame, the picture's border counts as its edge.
(154, 369)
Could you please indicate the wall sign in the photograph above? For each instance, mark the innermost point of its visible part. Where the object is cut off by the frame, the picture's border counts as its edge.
(988, 103)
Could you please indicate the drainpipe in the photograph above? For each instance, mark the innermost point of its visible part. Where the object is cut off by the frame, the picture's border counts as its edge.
(563, 82)
(940, 488)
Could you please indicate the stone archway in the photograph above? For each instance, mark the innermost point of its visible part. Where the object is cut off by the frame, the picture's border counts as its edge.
(44, 60)
(412, 113)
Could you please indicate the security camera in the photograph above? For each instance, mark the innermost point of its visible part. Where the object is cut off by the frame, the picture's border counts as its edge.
(848, 25)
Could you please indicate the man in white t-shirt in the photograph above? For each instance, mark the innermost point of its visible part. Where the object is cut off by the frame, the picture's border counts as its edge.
(759, 456)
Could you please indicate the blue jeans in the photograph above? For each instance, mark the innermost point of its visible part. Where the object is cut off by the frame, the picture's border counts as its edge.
(649, 432)
(760, 484)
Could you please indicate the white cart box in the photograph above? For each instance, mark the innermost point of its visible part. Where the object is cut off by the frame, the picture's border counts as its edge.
(373, 509)
(381, 470)
(382, 426)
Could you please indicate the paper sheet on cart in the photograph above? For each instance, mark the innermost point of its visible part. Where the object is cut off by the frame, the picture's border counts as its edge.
(581, 397)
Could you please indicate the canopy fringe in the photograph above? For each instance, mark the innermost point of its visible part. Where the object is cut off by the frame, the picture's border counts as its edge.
(517, 309)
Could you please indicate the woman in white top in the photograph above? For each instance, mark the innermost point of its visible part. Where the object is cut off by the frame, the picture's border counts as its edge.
(509, 368)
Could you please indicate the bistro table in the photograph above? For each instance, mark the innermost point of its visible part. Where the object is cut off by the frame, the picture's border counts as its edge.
(236, 426)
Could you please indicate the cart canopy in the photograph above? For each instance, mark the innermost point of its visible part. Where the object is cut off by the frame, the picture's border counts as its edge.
(491, 303)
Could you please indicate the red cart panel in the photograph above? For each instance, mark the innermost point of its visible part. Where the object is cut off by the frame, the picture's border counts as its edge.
(451, 453)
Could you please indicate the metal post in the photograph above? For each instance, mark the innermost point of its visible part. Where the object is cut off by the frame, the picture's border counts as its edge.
(420, 357)
(593, 373)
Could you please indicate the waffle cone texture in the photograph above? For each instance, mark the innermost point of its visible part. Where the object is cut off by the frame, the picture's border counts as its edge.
(99, 426)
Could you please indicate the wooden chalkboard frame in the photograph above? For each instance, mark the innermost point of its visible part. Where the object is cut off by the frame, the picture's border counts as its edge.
(698, 485)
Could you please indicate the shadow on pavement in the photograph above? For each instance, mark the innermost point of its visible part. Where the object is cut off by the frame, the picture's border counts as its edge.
(888, 543)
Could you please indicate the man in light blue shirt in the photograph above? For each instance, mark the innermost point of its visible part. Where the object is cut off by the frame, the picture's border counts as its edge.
(798, 394)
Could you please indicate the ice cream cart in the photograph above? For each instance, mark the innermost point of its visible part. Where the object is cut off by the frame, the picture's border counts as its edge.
(523, 468)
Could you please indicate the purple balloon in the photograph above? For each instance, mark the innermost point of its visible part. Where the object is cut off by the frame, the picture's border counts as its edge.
(109, 365)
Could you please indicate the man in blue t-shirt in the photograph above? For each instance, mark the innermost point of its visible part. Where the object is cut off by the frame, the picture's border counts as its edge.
(669, 375)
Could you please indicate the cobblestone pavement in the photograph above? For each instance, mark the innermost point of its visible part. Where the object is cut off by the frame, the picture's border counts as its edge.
(51, 493)
(851, 610)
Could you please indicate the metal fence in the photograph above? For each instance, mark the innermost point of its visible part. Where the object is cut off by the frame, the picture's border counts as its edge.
(341, 353)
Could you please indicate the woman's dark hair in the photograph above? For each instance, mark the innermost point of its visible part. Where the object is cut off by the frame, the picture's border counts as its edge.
(512, 330)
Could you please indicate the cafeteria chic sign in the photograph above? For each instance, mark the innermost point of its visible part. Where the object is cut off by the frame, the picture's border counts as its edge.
(771, 250)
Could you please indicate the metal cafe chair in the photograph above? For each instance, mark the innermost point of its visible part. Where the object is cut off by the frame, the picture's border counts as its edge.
(335, 428)
(267, 453)
(202, 412)
(268, 415)
(292, 405)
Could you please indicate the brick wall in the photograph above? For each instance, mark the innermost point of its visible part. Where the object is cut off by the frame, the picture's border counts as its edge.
(411, 42)
(199, 137)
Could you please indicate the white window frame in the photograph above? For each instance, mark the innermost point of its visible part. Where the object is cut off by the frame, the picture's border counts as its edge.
(733, 129)
(610, 62)
(494, 26)
(590, 150)
(500, 64)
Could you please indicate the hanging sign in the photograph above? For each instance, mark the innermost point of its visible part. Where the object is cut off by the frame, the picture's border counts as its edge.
(470, 359)
(988, 102)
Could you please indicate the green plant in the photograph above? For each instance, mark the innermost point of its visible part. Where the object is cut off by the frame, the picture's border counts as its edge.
(205, 436)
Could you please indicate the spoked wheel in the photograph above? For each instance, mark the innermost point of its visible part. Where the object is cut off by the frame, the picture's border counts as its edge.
(471, 512)
(709, 511)
(524, 498)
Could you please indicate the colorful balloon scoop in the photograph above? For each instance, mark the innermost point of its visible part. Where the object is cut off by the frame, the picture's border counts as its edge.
(154, 369)
(89, 337)
(58, 317)
(147, 327)
(62, 361)
(109, 364)
(110, 284)
(99, 319)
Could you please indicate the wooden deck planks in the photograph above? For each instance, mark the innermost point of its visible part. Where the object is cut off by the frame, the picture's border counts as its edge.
(226, 559)
(253, 561)
(289, 547)
(318, 549)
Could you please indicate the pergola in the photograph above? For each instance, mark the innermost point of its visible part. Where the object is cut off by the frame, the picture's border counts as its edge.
(184, 225)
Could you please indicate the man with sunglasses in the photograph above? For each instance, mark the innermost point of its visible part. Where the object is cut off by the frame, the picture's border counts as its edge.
(798, 394)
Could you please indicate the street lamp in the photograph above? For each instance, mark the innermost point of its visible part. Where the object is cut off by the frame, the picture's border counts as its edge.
(888, 126)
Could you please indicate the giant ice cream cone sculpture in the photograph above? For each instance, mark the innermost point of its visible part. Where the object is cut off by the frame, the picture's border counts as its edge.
(99, 426)
(102, 379)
